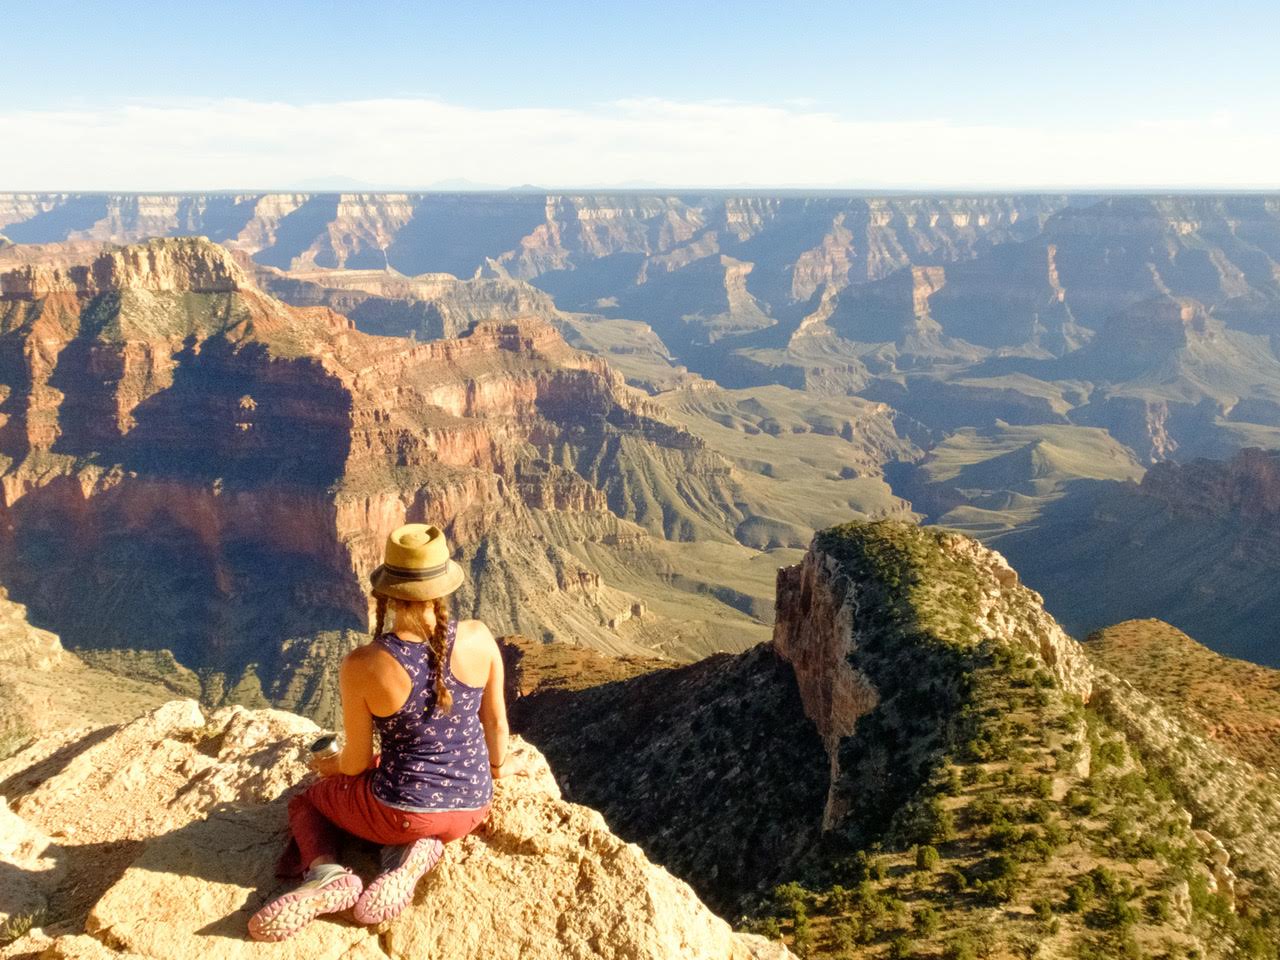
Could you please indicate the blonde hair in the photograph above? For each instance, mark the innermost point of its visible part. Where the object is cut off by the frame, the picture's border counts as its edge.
(411, 615)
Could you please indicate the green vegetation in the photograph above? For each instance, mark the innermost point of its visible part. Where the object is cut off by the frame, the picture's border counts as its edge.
(19, 924)
(1236, 700)
(991, 813)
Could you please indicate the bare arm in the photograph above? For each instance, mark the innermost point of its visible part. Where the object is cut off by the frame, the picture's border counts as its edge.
(493, 707)
(357, 719)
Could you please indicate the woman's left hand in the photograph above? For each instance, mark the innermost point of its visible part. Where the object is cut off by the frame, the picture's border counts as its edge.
(326, 766)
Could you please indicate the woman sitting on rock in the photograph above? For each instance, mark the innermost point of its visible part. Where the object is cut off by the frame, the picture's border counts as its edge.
(432, 687)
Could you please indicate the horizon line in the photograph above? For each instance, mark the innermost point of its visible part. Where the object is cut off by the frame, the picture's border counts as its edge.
(664, 190)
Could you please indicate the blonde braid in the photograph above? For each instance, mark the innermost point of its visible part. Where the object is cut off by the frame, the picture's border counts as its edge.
(440, 649)
(380, 614)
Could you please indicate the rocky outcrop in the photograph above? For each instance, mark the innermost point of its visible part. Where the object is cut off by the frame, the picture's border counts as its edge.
(813, 631)
(426, 307)
(914, 686)
(1150, 330)
(1235, 804)
(1146, 426)
(1012, 612)
(816, 629)
(30, 870)
(164, 835)
(185, 265)
(1245, 488)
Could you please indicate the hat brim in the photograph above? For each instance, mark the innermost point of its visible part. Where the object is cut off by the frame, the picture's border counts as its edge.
(390, 585)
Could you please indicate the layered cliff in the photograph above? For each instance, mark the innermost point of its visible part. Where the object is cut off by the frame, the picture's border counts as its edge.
(957, 310)
(231, 466)
(849, 237)
(158, 839)
(427, 307)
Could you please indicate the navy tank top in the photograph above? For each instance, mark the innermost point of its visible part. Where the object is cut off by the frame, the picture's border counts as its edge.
(432, 761)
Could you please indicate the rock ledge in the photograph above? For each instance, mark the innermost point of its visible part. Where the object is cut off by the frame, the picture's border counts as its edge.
(158, 838)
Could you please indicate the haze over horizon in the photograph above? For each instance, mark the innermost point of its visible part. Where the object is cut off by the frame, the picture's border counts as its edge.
(976, 96)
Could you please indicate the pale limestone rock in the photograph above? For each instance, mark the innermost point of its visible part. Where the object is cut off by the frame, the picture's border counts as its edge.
(1180, 898)
(204, 799)
(1012, 612)
(546, 881)
(1222, 878)
(30, 866)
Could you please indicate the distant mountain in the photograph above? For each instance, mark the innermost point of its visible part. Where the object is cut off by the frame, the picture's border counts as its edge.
(966, 309)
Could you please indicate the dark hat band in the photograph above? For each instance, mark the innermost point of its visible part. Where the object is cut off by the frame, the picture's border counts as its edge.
(408, 573)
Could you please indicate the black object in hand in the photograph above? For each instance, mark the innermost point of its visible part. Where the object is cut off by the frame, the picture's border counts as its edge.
(326, 746)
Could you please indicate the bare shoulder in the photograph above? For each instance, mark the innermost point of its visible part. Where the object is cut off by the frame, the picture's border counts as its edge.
(365, 660)
(476, 640)
(475, 634)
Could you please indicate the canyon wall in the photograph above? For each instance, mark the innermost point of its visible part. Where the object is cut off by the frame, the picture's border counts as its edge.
(222, 469)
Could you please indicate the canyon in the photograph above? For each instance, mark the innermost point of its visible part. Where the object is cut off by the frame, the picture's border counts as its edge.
(982, 362)
(1192, 543)
(712, 465)
(221, 470)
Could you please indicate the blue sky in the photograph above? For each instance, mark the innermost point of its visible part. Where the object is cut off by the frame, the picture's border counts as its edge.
(896, 93)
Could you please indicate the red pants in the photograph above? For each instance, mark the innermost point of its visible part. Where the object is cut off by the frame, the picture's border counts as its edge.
(319, 815)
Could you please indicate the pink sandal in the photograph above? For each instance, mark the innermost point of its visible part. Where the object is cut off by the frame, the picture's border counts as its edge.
(390, 891)
(286, 915)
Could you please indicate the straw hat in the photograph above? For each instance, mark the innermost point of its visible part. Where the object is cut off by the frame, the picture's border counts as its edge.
(416, 565)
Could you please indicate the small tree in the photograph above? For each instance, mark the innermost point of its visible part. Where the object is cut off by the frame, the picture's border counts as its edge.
(927, 858)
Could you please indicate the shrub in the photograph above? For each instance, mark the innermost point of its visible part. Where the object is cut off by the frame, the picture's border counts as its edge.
(927, 858)
(787, 897)
(1109, 753)
(846, 933)
(1115, 913)
(961, 947)
(926, 921)
(1158, 908)
(840, 898)
(955, 880)
(19, 924)
(1080, 894)
(924, 820)
(854, 869)
(802, 943)
(766, 927)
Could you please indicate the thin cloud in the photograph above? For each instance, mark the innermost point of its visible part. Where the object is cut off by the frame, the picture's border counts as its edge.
(220, 144)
